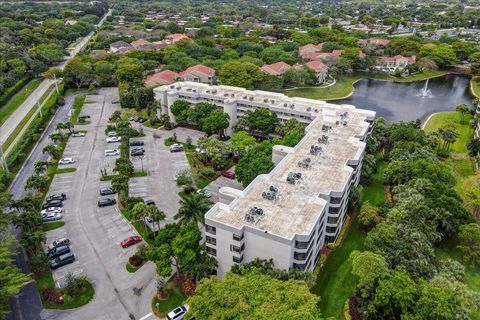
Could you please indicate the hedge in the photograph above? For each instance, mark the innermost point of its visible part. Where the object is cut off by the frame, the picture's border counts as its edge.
(11, 91)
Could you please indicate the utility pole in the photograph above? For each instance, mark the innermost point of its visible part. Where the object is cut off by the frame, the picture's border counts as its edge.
(55, 82)
(39, 107)
(3, 161)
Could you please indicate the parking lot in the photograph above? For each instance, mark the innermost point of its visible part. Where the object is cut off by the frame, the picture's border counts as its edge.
(221, 182)
(95, 233)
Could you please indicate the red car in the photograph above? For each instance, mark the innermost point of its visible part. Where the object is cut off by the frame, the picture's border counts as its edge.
(228, 174)
(130, 241)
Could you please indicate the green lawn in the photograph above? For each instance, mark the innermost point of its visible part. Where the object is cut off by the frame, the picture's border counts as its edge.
(452, 118)
(447, 249)
(77, 108)
(133, 269)
(341, 89)
(18, 99)
(414, 77)
(52, 225)
(65, 170)
(175, 299)
(374, 191)
(335, 283)
(475, 86)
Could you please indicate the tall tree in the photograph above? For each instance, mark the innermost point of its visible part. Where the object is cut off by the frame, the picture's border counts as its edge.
(462, 109)
(469, 237)
(192, 208)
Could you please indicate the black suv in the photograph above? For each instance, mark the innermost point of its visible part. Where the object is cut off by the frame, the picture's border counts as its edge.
(62, 260)
(58, 251)
(137, 152)
(106, 202)
(58, 196)
(53, 203)
(137, 143)
(106, 191)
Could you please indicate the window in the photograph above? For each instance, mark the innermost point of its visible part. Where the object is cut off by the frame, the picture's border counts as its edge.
(331, 229)
(333, 210)
(211, 240)
(210, 229)
(211, 251)
(237, 259)
(301, 244)
(299, 266)
(329, 239)
(300, 255)
(335, 200)
(236, 248)
(238, 237)
(332, 219)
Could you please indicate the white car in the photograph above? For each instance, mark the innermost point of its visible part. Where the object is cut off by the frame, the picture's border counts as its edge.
(114, 139)
(112, 134)
(78, 134)
(51, 210)
(205, 192)
(112, 152)
(66, 161)
(178, 313)
(47, 217)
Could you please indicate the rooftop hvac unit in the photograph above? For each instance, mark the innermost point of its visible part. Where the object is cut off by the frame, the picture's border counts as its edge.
(309, 109)
(249, 218)
(214, 91)
(194, 90)
(293, 177)
(292, 106)
(245, 97)
(337, 123)
(271, 194)
(208, 91)
(316, 110)
(225, 94)
(265, 100)
(273, 189)
(172, 87)
(316, 150)
(326, 128)
(251, 98)
(272, 101)
(323, 139)
(285, 105)
(256, 211)
(232, 95)
(178, 88)
(344, 123)
(305, 163)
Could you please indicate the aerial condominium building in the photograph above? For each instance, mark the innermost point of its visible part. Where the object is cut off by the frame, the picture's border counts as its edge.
(289, 214)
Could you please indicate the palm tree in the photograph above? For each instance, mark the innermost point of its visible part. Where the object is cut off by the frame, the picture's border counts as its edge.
(32, 240)
(203, 267)
(69, 126)
(157, 215)
(37, 182)
(192, 208)
(52, 151)
(140, 212)
(60, 126)
(463, 109)
(475, 102)
(57, 136)
(120, 184)
(449, 136)
(40, 166)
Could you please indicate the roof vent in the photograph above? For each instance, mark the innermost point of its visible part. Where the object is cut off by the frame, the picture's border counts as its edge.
(251, 98)
(285, 104)
(316, 110)
(256, 211)
(309, 109)
(172, 86)
(214, 91)
(272, 101)
(225, 94)
(265, 100)
(208, 91)
(245, 97)
(323, 139)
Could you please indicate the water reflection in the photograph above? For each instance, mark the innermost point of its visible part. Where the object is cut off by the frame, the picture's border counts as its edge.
(404, 101)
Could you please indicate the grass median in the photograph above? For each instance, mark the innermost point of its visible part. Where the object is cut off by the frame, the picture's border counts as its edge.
(452, 119)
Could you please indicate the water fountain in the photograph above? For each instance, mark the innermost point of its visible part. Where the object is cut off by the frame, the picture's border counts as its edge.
(425, 92)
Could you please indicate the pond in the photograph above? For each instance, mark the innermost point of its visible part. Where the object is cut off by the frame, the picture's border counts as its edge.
(396, 101)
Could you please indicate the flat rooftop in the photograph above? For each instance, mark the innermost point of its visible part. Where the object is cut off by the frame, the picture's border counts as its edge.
(297, 206)
(267, 98)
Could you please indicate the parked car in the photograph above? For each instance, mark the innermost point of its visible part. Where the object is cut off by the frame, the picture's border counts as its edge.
(130, 241)
(66, 161)
(142, 120)
(205, 192)
(106, 191)
(106, 202)
(115, 102)
(49, 217)
(228, 174)
(176, 147)
(137, 152)
(58, 251)
(112, 134)
(149, 202)
(57, 196)
(136, 143)
(112, 152)
(178, 313)
(78, 134)
(59, 242)
(62, 260)
(53, 203)
(51, 210)
(83, 117)
(114, 139)
(133, 119)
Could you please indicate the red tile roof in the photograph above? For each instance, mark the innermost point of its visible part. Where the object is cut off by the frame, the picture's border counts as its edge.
(162, 77)
(317, 66)
(199, 68)
(378, 41)
(139, 42)
(315, 47)
(176, 37)
(276, 69)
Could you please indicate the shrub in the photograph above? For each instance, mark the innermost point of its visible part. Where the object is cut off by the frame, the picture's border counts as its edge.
(52, 296)
(208, 172)
(189, 287)
(135, 260)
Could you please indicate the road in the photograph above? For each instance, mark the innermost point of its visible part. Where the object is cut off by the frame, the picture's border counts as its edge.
(7, 128)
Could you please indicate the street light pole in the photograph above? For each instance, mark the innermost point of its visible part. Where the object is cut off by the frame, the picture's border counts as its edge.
(39, 107)
(2, 156)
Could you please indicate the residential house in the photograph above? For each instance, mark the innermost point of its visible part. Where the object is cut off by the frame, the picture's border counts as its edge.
(161, 78)
(198, 73)
(175, 37)
(119, 46)
(395, 62)
(139, 43)
(276, 69)
(310, 48)
(320, 69)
